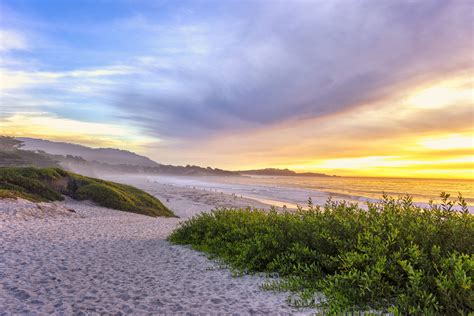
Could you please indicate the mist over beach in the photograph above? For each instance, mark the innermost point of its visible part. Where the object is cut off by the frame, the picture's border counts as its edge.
(291, 191)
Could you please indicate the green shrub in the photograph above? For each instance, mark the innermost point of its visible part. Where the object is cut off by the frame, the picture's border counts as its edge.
(31, 182)
(102, 195)
(394, 256)
(50, 184)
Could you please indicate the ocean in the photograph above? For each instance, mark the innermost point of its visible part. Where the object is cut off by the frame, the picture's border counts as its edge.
(292, 191)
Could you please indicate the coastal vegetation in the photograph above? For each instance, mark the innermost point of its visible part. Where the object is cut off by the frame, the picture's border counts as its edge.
(50, 184)
(394, 256)
(12, 155)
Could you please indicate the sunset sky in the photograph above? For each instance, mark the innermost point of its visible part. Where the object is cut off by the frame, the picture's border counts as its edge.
(362, 88)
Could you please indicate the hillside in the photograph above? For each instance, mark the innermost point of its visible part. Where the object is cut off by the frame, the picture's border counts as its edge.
(25, 158)
(281, 172)
(49, 184)
(11, 155)
(92, 161)
(110, 156)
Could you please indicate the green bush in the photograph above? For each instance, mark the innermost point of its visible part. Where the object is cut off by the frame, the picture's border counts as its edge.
(394, 256)
(102, 195)
(31, 182)
(50, 184)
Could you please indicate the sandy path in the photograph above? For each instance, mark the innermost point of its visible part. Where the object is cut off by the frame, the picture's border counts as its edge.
(112, 262)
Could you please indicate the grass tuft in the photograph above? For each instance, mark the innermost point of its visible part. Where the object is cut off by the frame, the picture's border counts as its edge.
(393, 257)
(50, 184)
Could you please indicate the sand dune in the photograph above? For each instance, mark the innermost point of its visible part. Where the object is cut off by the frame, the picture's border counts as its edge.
(97, 260)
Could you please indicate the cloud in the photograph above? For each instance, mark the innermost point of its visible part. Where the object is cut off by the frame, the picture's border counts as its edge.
(255, 83)
(84, 80)
(11, 40)
(390, 127)
(253, 64)
(296, 60)
(44, 125)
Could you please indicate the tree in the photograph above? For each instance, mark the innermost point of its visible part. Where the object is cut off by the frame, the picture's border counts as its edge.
(8, 143)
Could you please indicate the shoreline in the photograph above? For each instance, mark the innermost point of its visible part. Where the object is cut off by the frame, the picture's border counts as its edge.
(244, 193)
(187, 201)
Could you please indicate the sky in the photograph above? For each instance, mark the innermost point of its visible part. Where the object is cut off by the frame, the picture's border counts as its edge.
(351, 87)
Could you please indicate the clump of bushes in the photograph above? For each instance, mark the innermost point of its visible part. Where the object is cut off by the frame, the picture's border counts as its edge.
(11, 155)
(394, 256)
(50, 184)
(32, 183)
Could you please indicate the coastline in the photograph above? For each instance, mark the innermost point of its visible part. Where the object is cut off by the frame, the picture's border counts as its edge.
(254, 194)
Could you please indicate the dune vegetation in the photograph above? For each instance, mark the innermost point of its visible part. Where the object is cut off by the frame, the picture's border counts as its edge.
(394, 256)
(50, 184)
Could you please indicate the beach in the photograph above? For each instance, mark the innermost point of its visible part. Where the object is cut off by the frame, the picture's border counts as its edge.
(261, 191)
(73, 257)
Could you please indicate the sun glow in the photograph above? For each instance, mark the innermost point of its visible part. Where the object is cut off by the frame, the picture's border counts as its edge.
(446, 142)
(453, 92)
(437, 156)
(427, 135)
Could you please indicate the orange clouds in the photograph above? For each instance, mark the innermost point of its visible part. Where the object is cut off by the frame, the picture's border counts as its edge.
(391, 137)
(423, 131)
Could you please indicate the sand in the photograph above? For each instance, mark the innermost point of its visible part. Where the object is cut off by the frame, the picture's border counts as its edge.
(187, 201)
(96, 260)
(23, 210)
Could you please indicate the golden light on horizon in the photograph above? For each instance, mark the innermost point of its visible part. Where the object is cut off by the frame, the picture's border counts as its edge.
(444, 155)
(460, 168)
(428, 134)
(444, 151)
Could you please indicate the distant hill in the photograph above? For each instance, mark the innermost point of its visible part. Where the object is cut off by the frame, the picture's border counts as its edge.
(105, 155)
(11, 155)
(82, 166)
(93, 161)
(281, 172)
